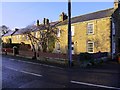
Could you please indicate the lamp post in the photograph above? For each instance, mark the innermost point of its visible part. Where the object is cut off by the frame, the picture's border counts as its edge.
(69, 34)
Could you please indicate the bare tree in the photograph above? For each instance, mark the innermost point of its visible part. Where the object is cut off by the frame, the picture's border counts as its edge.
(47, 39)
(3, 29)
(102, 41)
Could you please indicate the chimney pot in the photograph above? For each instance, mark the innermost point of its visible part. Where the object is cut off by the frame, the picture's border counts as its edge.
(63, 16)
(46, 21)
(16, 29)
(38, 23)
(116, 2)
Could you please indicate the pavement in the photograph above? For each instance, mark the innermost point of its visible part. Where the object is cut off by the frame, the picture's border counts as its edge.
(23, 73)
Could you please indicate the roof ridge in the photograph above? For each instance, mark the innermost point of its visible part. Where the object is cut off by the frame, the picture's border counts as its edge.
(90, 16)
(93, 12)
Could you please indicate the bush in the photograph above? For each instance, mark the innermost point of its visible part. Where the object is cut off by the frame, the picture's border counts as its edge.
(118, 54)
(8, 45)
(87, 59)
(84, 56)
(10, 50)
(25, 47)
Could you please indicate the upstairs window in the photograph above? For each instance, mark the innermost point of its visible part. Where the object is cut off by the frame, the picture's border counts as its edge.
(23, 37)
(72, 31)
(17, 37)
(113, 28)
(90, 47)
(90, 28)
(27, 38)
(35, 34)
(58, 33)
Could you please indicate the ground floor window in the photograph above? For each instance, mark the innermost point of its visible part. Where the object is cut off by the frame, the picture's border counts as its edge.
(72, 47)
(90, 47)
(58, 46)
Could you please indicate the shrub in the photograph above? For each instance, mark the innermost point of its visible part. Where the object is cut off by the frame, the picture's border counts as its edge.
(85, 56)
(8, 45)
(25, 47)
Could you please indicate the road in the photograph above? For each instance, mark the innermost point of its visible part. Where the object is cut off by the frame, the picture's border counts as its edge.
(17, 73)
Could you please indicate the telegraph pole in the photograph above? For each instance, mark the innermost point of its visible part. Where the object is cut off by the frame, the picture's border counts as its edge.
(69, 34)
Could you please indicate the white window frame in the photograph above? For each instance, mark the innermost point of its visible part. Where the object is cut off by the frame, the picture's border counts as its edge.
(58, 33)
(36, 34)
(23, 37)
(90, 47)
(88, 30)
(17, 37)
(27, 38)
(72, 31)
(114, 47)
(113, 28)
(73, 48)
(58, 46)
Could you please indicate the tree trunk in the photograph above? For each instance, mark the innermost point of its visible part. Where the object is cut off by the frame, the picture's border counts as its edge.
(34, 55)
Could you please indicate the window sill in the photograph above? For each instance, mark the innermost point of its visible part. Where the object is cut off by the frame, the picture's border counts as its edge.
(90, 34)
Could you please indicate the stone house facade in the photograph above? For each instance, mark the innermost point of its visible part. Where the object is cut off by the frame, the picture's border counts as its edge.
(93, 32)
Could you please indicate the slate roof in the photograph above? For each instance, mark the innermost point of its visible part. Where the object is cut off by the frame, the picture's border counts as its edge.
(9, 33)
(33, 28)
(81, 18)
(20, 31)
(54, 23)
(90, 16)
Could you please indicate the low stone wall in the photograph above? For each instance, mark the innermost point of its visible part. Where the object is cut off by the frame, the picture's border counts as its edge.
(26, 54)
(55, 55)
(45, 57)
(8, 50)
(52, 55)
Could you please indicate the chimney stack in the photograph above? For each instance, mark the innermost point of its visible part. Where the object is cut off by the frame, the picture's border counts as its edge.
(46, 21)
(116, 2)
(16, 29)
(63, 17)
(38, 23)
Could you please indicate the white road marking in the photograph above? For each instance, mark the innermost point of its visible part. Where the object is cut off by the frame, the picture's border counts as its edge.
(31, 73)
(95, 85)
(34, 74)
(12, 59)
(37, 63)
(11, 68)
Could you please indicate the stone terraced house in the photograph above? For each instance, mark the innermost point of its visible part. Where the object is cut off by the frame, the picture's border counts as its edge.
(93, 32)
